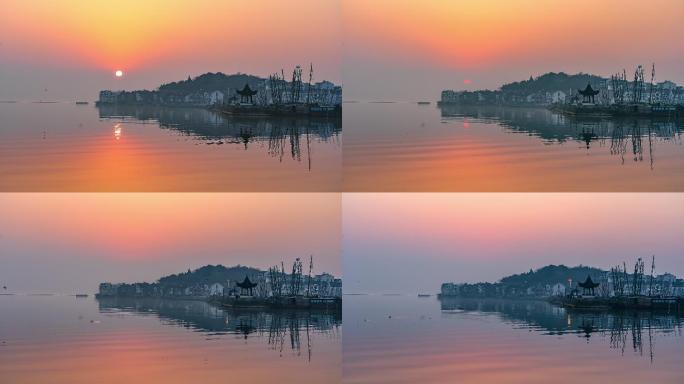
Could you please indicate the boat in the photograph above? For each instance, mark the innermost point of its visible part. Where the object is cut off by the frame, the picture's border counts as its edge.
(640, 303)
(627, 110)
(299, 109)
(285, 302)
(585, 303)
(424, 295)
(423, 103)
(81, 295)
(81, 103)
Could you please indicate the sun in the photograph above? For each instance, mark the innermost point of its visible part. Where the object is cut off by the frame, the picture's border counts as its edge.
(118, 73)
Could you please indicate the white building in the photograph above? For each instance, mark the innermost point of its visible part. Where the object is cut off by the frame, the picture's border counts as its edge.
(558, 97)
(558, 289)
(216, 289)
(216, 97)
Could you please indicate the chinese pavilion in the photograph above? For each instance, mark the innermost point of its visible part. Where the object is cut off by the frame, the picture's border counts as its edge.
(588, 94)
(247, 94)
(588, 287)
(246, 286)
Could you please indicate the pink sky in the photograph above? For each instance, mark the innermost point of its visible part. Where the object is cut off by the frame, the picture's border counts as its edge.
(74, 241)
(410, 241)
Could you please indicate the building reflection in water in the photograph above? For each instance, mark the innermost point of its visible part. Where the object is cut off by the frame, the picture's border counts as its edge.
(281, 329)
(283, 137)
(117, 131)
(625, 137)
(635, 330)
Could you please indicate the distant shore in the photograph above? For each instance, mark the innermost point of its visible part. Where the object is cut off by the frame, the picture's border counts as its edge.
(245, 302)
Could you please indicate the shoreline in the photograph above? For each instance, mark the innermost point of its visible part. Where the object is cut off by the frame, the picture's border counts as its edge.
(245, 302)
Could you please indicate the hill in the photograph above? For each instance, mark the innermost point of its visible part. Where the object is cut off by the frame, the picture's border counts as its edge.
(208, 274)
(550, 82)
(552, 274)
(210, 82)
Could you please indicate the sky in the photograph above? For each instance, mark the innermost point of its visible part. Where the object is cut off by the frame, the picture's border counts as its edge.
(379, 50)
(70, 49)
(414, 242)
(71, 242)
(408, 50)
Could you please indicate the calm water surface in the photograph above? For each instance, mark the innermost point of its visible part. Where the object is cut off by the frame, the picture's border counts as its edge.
(402, 339)
(63, 339)
(407, 147)
(66, 147)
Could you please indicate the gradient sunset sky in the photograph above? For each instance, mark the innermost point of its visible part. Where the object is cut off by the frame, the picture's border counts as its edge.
(72, 242)
(408, 50)
(381, 49)
(56, 50)
(412, 242)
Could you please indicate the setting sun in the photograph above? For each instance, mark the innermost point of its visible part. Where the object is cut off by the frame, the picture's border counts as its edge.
(118, 73)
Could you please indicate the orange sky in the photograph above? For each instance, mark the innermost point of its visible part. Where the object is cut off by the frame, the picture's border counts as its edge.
(390, 49)
(173, 38)
(490, 42)
(79, 239)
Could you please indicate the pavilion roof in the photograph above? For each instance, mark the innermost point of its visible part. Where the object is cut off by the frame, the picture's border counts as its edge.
(588, 283)
(247, 91)
(588, 91)
(246, 283)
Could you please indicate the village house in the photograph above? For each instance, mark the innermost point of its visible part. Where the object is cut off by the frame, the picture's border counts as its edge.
(558, 289)
(558, 97)
(216, 289)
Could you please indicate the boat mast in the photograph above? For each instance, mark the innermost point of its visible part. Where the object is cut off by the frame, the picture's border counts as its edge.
(308, 89)
(308, 287)
(650, 283)
(650, 96)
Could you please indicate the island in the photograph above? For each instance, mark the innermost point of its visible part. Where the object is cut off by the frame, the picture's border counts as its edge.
(583, 95)
(240, 94)
(240, 287)
(584, 287)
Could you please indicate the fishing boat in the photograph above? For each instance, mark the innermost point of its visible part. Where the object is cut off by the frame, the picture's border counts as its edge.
(424, 295)
(286, 302)
(299, 109)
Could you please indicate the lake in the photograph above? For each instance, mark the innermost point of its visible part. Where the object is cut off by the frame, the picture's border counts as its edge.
(395, 147)
(66, 147)
(64, 339)
(406, 339)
